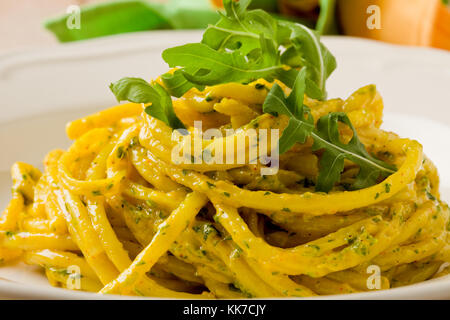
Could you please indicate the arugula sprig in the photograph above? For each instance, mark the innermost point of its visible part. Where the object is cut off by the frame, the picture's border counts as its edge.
(307, 51)
(326, 137)
(176, 84)
(243, 46)
(223, 67)
(249, 44)
(301, 122)
(239, 28)
(140, 91)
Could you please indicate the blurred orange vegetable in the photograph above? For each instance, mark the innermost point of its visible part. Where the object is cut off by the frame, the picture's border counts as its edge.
(217, 3)
(409, 22)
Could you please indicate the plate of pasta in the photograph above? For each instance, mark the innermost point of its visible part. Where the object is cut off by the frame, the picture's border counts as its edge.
(230, 170)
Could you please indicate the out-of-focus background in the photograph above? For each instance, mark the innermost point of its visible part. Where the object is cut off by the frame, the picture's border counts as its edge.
(21, 21)
(26, 23)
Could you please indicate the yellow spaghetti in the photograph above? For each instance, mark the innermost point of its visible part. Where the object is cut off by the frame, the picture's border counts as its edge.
(132, 222)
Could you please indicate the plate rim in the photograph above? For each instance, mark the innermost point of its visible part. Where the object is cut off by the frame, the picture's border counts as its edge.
(428, 288)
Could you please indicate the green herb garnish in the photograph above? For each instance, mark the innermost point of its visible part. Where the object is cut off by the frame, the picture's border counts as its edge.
(249, 44)
(96, 193)
(176, 84)
(301, 122)
(326, 137)
(10, 233)
(120, 152)
(430, 196)
(246, 45)
(216, 67)
(243, 46)
(140, 91)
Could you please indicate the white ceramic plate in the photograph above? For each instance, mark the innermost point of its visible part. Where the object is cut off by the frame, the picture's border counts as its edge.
(43, 89)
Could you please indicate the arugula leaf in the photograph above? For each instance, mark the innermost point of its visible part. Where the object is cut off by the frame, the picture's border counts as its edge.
(222, 67)
(236, 8)
(326, 136)
(140, 91)
(131, 89)
(246, 44)
(308, 51)
(176, 84)
(301, 122)
(240, 29)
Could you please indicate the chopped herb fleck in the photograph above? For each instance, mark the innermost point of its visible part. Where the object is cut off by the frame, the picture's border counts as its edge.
(9, 233)
(120, 152)
(162, 215)
(430, 196)
(387, 187)
(232, 287)
(207, 230)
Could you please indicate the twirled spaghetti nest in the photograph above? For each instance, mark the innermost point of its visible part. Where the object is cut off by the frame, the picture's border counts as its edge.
(133, 222)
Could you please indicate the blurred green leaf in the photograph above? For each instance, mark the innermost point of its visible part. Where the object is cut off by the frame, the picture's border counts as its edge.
(326, 24)
(189, 14)
(109, 18)
(121, 16)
